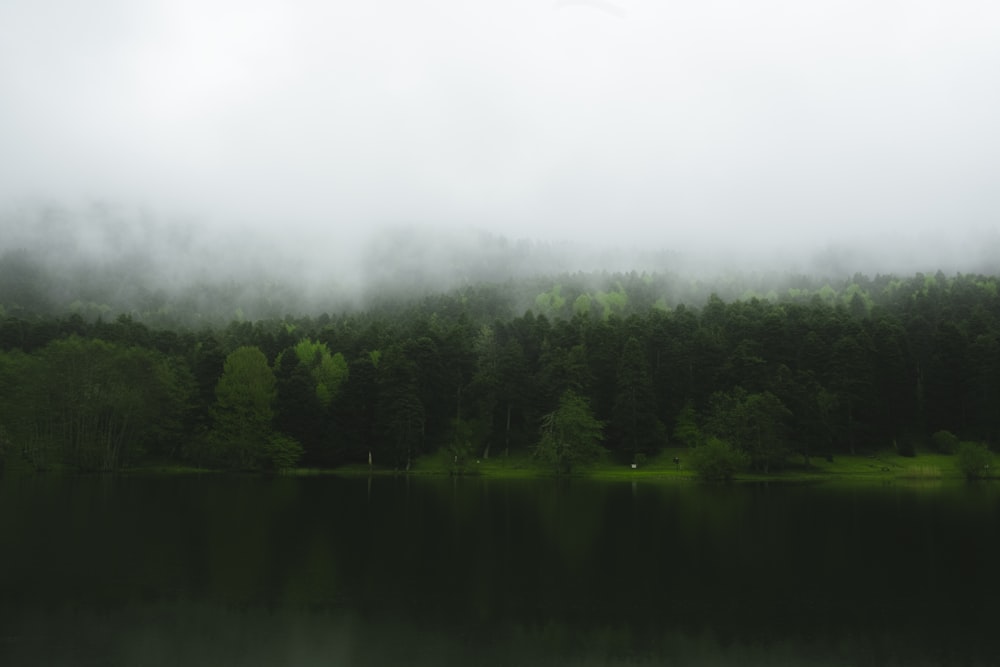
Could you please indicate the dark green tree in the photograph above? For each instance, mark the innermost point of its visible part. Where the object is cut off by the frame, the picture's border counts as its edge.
(756, 424)
(635, 426)
(400, 412)
(716, 460)
(973, 459)
(299, 411)
(97, 405)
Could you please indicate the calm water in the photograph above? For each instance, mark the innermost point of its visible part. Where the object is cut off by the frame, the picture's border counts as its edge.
(324, 571)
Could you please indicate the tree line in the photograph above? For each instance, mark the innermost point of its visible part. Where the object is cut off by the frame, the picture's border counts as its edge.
(814, 371)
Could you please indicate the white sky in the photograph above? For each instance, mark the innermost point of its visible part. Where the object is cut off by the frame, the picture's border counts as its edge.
(749, 123)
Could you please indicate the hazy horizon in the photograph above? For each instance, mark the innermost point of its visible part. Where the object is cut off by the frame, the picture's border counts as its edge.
(756, 134)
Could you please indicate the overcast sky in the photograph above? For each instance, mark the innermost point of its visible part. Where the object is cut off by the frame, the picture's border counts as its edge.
(749, 123)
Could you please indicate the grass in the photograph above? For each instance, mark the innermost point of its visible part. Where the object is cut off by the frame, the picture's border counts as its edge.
(881, 467)
(921, 472)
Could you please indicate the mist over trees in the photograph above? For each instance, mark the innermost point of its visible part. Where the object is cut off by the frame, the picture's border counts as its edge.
(101, 261)
(776, 367)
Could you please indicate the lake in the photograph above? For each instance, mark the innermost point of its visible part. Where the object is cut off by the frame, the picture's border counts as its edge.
(219, 570)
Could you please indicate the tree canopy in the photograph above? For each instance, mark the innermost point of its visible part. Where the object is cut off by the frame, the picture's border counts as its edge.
(816, 369)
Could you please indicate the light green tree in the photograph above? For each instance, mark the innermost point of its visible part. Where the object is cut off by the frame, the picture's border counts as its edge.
(581, 305)
(329, 371)
(613, 301)
(551, 302)
(570, 434)
(243, 436)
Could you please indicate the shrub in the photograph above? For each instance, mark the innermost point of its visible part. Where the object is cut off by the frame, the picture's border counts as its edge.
(717, 460)
(944, 442)
(906, 448)
(282, 452)
(973, 459)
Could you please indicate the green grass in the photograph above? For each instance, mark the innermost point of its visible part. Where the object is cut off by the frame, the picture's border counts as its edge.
(881, 467)
(921, 472)
(518, 464)
(661, 467)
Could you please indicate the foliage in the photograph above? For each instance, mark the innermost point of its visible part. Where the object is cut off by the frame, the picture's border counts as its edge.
(401, 412)
(92, 404)
(634, 425)
(463, 443)
(756, 424)
(281, 452)
(243, 436)
(686, 429)
(717, 460)
(905, 447)
(552, 301)
(944, 442)
(329, 371)
(570, 435)
(814, 366)
(612, 301)
(973, 459)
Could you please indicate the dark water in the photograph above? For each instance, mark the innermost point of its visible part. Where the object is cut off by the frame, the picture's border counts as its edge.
(326, 571)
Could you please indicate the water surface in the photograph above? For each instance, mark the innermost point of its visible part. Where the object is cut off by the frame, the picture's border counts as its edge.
(210, 570)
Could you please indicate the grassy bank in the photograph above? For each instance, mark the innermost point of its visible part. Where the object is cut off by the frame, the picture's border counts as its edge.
(877, 467)
(881, 467)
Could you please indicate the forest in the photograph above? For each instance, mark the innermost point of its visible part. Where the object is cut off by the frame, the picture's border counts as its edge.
(563, 367)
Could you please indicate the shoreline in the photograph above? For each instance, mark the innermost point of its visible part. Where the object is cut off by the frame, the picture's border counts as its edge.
(882, 468)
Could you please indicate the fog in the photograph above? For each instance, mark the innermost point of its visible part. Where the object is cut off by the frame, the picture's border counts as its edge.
(306, 137)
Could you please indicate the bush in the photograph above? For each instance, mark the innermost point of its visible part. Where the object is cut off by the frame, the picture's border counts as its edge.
(906, 448)
(944, 442)
(717, 460)
(282, 452)
(973, 459)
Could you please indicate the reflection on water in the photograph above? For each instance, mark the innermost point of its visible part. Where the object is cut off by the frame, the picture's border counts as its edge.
(242, 570)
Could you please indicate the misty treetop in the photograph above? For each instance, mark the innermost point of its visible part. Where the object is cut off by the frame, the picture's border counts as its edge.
(596, 363)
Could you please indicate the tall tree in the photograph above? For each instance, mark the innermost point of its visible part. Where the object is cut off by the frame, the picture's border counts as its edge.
(401, 413)
(515, 390)
(299, 411)
(570, 434)
(243, 435)
(755, 423)
(486, 381)
(635, 427)
(95, 405)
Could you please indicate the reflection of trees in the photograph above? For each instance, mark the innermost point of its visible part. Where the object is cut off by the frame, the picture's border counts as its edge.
(571, 519)
(468, 571)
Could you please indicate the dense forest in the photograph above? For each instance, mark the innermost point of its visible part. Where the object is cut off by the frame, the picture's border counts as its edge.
(627, 362)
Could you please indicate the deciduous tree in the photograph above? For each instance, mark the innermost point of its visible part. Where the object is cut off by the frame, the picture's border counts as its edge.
(570, 434)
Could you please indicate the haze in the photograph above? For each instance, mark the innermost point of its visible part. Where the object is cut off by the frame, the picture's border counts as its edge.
(756, 129)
